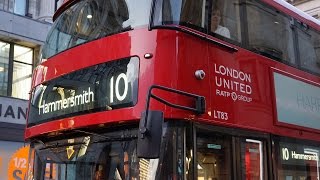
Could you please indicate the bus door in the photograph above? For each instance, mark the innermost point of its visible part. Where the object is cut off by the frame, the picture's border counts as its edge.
(214, 156)
(252, 156)
(224, 155)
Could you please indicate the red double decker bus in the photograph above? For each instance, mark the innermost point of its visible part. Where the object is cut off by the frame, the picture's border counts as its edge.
(177, 89)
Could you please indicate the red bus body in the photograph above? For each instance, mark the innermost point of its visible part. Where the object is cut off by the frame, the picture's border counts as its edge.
(176, 75)
(171, 51)
(176, 56)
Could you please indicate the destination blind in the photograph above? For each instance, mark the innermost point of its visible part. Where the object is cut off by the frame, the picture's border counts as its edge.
(107, 86)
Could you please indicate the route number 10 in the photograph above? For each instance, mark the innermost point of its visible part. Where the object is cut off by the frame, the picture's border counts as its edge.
(285, 154)
(114, 87)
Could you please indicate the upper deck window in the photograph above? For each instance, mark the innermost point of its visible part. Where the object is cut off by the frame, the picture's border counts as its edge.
(309, 48)
(216, 17)
(189, 13)
(92, 19)
(224, 19)
(270, 32)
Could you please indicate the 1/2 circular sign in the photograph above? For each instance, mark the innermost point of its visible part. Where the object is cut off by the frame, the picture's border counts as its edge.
(18, 164)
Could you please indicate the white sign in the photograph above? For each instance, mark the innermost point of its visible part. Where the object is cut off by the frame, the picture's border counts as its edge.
(298, 102)
(13, 110)
(72, 101)
(232, 83)
(287, 155)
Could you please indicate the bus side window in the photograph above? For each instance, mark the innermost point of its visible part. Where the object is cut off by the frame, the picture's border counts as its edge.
(309, 48)
(224, 19)
(269, 32)
(193, 12)
(189, 13)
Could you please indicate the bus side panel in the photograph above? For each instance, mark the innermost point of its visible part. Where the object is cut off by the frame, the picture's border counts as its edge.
(178, 56)
(240, 93)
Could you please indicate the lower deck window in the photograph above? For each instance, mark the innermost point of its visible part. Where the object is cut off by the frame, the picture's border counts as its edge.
(214, 157)
(297, 160)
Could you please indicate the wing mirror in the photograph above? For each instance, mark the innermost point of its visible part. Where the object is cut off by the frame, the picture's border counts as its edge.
(150, 126)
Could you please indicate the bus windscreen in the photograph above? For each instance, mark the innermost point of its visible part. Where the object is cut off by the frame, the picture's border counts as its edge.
(93, 19)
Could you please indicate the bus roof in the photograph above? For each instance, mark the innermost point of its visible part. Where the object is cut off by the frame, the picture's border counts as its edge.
(282, 5)
(294, 12)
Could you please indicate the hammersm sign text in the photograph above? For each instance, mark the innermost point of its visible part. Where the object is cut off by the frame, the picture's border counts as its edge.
(65, 103)
(287, 155)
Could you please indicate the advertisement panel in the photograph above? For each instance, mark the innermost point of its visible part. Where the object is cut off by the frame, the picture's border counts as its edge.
(297, 102)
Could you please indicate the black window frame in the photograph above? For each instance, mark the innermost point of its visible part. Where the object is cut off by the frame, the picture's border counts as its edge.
(300, 26)
(11, 61)
(237, 136)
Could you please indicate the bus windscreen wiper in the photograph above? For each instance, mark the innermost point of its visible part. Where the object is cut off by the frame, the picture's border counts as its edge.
(109, 138)
(57, 145)
(101, 139)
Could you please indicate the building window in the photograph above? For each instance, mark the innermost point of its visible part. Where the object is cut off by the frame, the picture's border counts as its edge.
(20, 7)
(16, 64)
(22, 72)
(4, 64)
